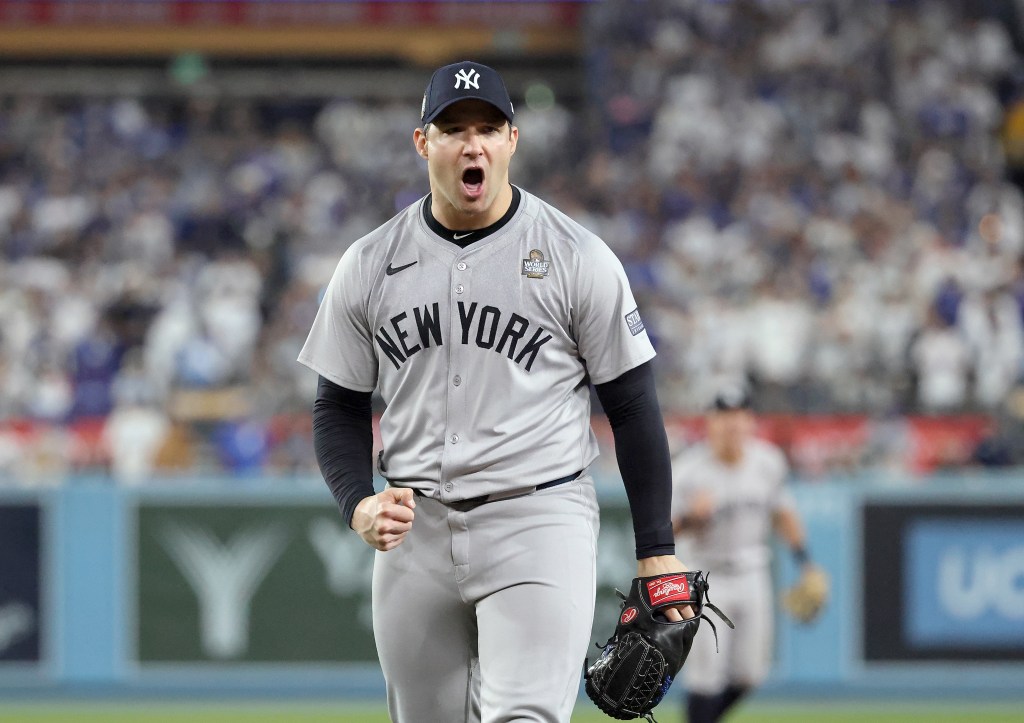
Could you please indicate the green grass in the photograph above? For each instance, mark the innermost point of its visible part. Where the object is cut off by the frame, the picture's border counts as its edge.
(840, 712)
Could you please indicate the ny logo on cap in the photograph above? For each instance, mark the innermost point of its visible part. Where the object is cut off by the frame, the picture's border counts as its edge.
(470, 77)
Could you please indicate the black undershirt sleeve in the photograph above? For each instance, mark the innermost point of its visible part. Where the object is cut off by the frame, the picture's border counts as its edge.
(641, 450)
(343, 441)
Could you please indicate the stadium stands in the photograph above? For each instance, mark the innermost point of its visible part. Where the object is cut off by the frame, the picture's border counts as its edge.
(813, 197)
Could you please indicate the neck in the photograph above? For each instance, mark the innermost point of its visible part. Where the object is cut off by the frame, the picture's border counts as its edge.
(729, 455)
(450, 217)
(465, 238)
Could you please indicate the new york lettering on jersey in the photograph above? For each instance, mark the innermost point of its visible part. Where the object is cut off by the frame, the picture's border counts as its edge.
(480, 326)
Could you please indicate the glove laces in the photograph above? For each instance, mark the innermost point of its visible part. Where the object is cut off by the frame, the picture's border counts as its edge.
(716, 611)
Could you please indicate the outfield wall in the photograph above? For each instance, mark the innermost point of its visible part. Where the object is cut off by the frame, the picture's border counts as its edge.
(227, 586)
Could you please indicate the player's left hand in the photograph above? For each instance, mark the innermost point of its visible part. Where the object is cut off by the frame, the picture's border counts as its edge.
(661, 565)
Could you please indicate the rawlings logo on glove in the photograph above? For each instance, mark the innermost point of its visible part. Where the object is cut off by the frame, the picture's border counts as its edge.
(643, 656)
(668, 588)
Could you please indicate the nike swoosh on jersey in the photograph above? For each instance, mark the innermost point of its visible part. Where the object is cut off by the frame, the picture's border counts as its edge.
(392, 270)
(464, 235)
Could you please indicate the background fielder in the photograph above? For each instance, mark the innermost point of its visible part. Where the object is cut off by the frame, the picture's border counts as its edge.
(729, 494)
(482, 314)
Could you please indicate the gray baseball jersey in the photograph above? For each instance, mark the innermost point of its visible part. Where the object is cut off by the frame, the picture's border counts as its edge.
(482, 354)
(745, 497)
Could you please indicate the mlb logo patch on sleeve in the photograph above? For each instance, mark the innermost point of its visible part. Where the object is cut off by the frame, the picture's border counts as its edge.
(634, 322)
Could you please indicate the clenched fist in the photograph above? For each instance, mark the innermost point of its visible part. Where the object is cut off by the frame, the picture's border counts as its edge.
(383, 519)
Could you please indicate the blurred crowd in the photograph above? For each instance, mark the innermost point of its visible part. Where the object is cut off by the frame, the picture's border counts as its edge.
(811, 197)
(814, 196)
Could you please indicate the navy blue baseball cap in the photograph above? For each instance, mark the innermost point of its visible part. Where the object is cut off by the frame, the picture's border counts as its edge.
(462, 81)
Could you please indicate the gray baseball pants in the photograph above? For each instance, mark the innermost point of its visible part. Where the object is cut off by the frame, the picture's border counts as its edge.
(484, 613)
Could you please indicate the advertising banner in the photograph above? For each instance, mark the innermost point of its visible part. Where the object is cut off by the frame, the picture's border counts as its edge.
(965, 583)
(955, 580)
(21, 616)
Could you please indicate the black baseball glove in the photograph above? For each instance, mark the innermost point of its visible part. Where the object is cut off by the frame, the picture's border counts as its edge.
(646, 651)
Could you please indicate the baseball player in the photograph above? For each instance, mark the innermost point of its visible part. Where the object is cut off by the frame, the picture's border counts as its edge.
(729, 493)
(482, 314)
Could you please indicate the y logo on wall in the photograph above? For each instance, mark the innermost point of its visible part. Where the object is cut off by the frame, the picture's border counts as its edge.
(251, 584)
(19, 583)
(224, 577)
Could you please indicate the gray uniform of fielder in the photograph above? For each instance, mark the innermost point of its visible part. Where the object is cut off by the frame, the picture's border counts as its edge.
(483, 356)
(735, 549)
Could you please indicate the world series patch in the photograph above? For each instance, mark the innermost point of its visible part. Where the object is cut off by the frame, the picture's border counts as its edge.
(536, 267)
(634, 322)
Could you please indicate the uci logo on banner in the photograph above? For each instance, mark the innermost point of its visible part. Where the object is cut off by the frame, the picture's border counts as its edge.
(965, 582)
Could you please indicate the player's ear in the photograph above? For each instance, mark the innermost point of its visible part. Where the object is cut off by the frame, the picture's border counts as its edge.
(513, 137)
(419, 139)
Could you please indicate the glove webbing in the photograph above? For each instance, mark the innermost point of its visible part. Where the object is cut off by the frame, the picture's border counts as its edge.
(649, 715)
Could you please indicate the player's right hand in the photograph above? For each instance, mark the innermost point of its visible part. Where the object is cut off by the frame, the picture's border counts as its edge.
(383, 519)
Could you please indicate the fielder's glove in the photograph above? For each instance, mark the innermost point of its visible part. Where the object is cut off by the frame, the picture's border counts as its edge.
(805, 599)
(646, 651)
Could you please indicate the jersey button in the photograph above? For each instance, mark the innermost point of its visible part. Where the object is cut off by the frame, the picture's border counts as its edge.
(461, 266)
(459, 289)
(448, 486)
(454, 439)
(457, 380)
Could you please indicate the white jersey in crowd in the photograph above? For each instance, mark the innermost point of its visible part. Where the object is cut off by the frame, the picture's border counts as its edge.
(483, 354)
(737, 538)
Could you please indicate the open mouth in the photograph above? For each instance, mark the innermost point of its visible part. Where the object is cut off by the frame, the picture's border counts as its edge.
(473, 180)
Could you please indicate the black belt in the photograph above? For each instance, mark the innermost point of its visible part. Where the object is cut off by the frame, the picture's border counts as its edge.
(559, 481)
(520, 492)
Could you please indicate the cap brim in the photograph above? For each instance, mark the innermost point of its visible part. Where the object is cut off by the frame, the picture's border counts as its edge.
(440, 109)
